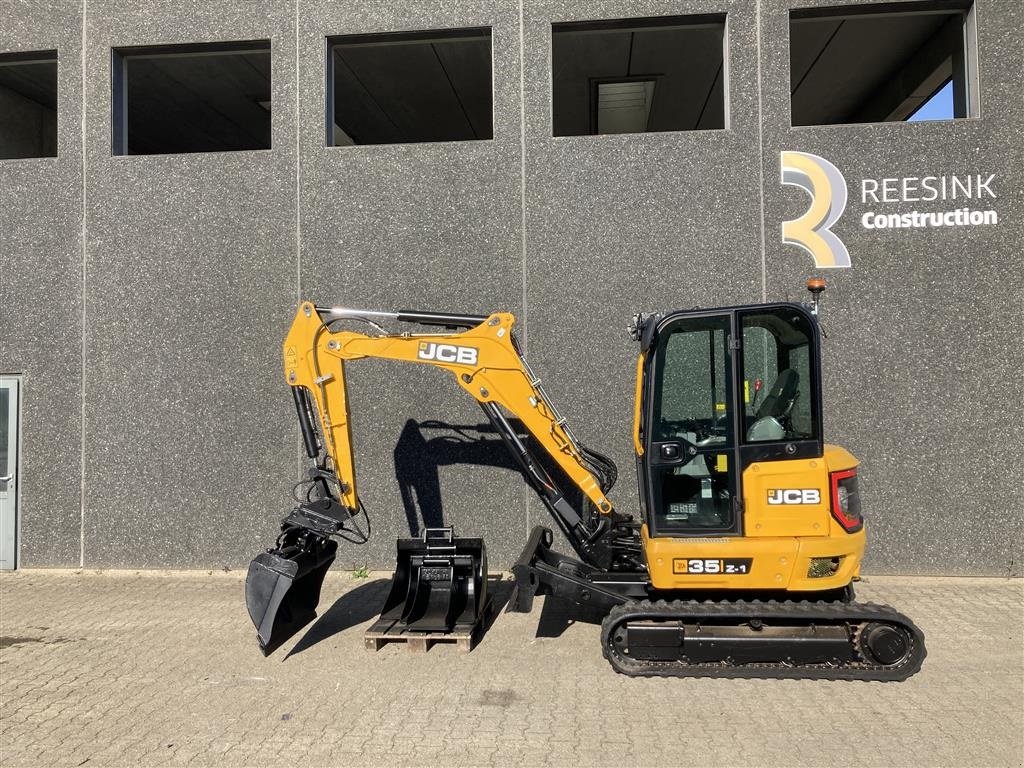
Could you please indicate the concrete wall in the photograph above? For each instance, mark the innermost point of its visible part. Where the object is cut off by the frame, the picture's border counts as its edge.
(41, 277)
(191, 267)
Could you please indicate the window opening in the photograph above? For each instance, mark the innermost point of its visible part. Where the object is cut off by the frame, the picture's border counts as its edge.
(638, 75)
(938, 107)
(409, 87)
(28, 105)
(213, 97)
(882, 63)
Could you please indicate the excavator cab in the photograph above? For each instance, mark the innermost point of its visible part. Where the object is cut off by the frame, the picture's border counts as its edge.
(705, 414)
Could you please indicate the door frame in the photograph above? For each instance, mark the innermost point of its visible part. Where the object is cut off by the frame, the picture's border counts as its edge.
(16, 382)
(647, 485)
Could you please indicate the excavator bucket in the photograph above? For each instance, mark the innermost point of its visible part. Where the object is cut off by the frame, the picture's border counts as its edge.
(282, 588)
(440, 584)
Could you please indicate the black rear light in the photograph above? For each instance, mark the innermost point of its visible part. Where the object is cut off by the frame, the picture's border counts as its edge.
(846, 500)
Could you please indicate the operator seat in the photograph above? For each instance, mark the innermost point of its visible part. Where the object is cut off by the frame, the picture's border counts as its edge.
(780, 397)
(777, 403)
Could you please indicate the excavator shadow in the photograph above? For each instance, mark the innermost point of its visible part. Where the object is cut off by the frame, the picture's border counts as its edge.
(422, 448)
(351, 609)
(365, 601)
(558, 615)
(425, 446)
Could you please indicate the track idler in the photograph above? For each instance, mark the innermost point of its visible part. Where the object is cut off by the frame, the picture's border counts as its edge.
(440, 583)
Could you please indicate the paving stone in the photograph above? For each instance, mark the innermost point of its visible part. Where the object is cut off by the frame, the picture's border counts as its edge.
(117, 669)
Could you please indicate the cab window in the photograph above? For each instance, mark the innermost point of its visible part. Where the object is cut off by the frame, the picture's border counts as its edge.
(691, 485)
(690, 388)
(778, 378)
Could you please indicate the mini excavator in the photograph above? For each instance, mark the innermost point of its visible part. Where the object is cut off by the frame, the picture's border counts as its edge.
(750, 533)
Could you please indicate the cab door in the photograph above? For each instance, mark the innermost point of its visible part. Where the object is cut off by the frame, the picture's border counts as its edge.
(690, 446)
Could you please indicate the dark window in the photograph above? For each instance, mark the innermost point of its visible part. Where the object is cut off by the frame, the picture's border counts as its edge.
(881, 63)
(191, 98)
(638, 75)
(691, 386)
(409, 87)
(28, 105)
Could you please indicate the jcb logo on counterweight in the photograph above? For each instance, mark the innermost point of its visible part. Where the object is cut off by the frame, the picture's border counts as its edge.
(447, 353)
(794, 496)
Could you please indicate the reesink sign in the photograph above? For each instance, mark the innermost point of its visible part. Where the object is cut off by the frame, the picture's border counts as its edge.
(827, 187)
(926, 189)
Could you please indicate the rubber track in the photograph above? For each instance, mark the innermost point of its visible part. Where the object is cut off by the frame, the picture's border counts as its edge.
(774, 612)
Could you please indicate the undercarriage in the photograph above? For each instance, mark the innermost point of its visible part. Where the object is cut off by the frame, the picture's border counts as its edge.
(815, 636)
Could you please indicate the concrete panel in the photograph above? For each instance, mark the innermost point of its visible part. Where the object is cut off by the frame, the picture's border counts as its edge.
(40, 294)
(431, 226)
(618, 224)
(923, 359)
(191, 281)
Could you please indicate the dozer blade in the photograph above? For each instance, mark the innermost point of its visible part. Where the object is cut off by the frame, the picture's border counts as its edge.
(440, 583)
(282, 588)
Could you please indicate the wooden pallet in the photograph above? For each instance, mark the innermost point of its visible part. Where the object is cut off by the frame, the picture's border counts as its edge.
(464, 636)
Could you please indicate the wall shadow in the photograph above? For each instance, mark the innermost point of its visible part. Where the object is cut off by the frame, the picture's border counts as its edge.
(424, 446)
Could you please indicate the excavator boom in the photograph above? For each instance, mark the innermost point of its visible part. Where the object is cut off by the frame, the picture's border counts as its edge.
(482, 354)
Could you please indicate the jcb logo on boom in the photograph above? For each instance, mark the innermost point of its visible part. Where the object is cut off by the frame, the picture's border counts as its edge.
(794, 496)
(447, 353)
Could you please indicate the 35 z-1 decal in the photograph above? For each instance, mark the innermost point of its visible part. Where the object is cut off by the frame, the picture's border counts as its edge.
(733, 566)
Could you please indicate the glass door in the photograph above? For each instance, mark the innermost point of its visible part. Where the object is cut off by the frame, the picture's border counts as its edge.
(691, 441)
(8, 472)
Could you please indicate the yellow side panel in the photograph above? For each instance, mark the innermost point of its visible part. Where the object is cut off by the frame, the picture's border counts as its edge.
(638, 397)
(787, 525)
(847, 546)
(786, 498)
(838, 458)
(771, 568)
(775, 563)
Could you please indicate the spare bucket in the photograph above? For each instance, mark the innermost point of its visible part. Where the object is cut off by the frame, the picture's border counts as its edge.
(282, 588)
(440, 583)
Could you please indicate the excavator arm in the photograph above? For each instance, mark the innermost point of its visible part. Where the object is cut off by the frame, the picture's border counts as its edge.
(439, 578)
(483, 356)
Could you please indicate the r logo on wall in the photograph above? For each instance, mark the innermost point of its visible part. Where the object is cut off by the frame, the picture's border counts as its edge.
(827, 187)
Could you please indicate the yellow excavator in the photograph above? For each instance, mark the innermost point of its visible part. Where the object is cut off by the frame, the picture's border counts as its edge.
(749, 536)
